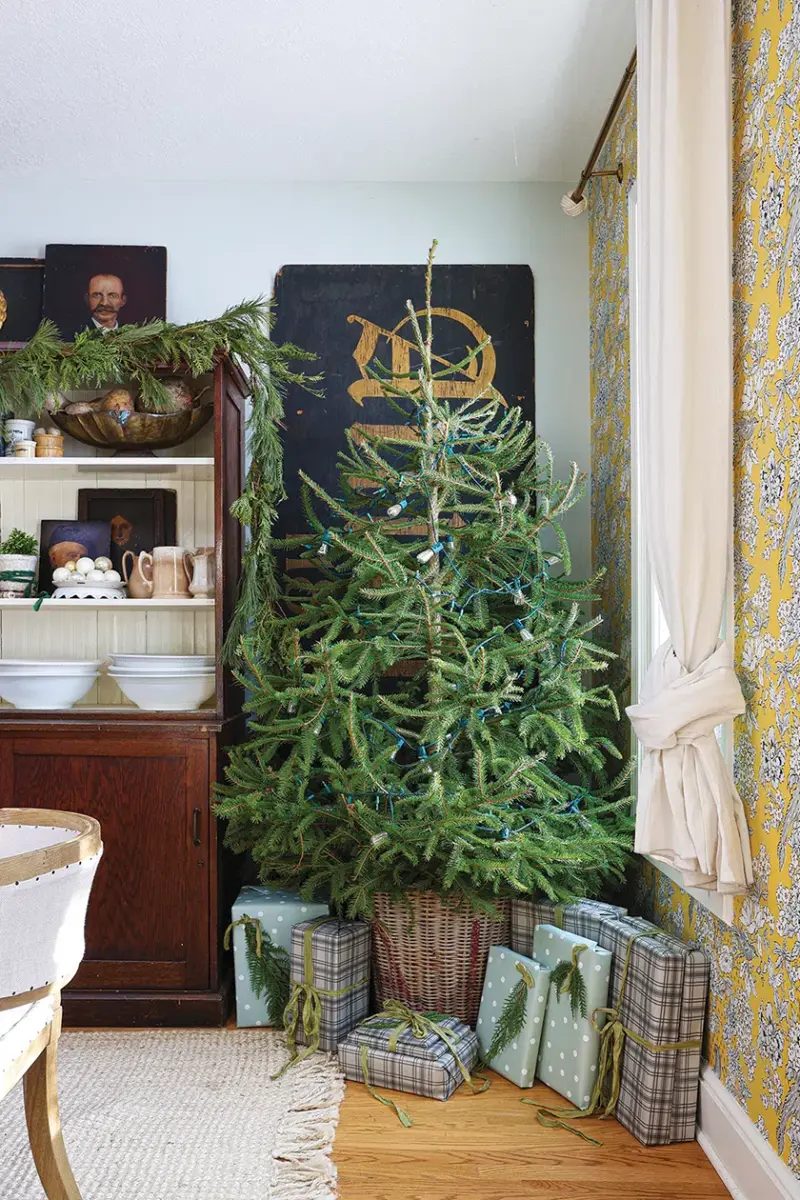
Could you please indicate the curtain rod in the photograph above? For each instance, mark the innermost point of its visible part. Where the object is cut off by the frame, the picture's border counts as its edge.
(575, 202)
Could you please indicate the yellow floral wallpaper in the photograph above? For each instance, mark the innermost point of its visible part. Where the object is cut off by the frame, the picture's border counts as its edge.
(609, 312)
(753, 1028)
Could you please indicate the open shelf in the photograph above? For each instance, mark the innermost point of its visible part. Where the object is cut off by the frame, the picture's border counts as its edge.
(188, 468)
(22, 603)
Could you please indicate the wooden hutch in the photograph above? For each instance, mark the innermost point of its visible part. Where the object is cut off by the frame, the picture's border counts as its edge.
(161, 898)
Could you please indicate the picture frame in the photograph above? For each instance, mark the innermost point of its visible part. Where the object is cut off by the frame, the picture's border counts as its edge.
(62, 541)
(21, 292)
(104, 287)
(138, 518)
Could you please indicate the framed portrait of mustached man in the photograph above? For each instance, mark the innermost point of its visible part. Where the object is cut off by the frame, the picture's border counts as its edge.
(351, 315)
(104, 287)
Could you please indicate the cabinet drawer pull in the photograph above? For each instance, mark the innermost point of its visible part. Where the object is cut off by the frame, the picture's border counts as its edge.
(196, 815)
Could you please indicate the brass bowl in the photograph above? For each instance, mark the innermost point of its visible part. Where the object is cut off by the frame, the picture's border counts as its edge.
(153, 431)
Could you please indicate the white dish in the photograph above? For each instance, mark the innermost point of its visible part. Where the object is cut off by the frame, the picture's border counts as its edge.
(55, 667)
(166, 693)
(112, 670)
(162, 664)
(44, 692)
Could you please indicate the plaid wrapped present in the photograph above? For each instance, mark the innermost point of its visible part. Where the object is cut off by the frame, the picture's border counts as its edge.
(267, 914)
(659, 988)
(408, 1051)
(582, 917)
(330, 982)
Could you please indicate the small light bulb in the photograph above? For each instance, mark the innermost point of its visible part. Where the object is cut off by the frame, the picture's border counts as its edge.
(511, 498)
(323, 550)
(377, 838)
(396, 509)
(518, 596)
(524, 633)
(425, 556)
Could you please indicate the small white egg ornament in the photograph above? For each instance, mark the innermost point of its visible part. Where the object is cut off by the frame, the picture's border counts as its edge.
(103, 563)
(71, 566)
(112, 576)
(77, 577)
(85, 565)
(62, 576)
(94, 576)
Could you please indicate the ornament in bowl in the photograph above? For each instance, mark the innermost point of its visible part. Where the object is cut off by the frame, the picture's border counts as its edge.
(118, 422)
(88, 579)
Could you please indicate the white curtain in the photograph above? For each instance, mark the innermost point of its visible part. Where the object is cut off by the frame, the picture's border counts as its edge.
(689, 813)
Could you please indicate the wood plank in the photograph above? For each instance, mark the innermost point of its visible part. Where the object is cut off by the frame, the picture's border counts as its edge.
(492, 1145)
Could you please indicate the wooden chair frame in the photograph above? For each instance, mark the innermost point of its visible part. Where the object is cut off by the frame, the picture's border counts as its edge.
(38, 1065)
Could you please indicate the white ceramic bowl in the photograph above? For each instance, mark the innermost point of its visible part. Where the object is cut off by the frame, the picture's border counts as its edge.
(166, 693)
(45, 692)
(162, 664)
(48, 667)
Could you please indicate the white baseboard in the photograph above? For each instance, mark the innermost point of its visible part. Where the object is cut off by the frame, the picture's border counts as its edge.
(741, 1156)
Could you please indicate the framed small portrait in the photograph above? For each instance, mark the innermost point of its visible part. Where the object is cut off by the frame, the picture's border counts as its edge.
(104, 287)
(62, 542)
(137, 518)
(21, 286)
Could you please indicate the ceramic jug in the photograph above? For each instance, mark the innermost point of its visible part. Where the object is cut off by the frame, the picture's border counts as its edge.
(203, 563)
(168, 569)
(140, 586)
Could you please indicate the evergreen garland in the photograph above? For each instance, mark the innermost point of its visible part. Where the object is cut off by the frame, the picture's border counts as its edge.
(512, 1015)
(568, 980)
(419, 711)
(134, 354)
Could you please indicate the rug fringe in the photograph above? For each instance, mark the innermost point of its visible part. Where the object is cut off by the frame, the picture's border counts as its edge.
(304, 1169)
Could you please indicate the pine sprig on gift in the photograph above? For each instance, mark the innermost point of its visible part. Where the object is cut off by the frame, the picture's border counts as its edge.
(268, 965)
(512, 1015)
(568, 981)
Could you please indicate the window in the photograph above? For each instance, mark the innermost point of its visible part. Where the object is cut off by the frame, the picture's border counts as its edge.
(648, 625)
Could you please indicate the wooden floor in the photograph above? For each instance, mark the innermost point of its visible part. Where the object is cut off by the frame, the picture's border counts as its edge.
(490, 1145)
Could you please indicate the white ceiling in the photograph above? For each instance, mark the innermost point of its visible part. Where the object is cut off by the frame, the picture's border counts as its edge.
(329, 90)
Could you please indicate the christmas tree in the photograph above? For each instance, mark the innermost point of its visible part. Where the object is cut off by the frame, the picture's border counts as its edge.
(420, 715)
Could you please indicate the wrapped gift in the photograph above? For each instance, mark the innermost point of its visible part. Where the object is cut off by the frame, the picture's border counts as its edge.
(582, 916)
(330, 982)
(659, 988)
(511, 1015)
(261, 918)
(408, 1051)
(580, 979)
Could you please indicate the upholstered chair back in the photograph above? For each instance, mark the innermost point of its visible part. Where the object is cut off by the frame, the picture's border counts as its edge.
(48, 861)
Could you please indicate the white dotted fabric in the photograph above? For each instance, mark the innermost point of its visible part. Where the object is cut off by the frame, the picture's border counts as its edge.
(42, 919)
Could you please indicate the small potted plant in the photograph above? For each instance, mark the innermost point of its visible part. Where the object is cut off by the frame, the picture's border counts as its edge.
(18, 558)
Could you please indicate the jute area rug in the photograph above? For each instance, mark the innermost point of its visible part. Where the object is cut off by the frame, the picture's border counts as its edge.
(184, 1115)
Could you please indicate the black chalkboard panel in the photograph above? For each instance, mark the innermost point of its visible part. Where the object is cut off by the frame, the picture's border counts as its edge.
(350, 315)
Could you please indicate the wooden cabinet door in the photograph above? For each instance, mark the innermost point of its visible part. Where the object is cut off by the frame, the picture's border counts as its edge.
(148, 922)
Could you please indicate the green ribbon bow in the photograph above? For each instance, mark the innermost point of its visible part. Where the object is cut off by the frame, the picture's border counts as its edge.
(612, 1035)
(569, 982)
(400, 1018)
(245, 920)
(305, 1003)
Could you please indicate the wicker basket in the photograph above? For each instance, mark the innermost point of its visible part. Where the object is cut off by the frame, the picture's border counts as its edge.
(431, 955)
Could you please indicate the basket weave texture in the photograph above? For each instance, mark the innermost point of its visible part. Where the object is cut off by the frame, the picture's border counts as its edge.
(431, 955)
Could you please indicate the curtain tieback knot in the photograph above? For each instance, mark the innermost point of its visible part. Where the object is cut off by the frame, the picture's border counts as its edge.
(680, 707)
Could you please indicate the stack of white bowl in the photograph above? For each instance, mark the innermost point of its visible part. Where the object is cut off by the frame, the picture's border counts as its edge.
(46, 684)
(165, 682)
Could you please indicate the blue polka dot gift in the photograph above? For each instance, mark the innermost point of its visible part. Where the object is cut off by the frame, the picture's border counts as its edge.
(512, 1013)
(580, 977)
(258, 914)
